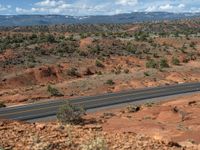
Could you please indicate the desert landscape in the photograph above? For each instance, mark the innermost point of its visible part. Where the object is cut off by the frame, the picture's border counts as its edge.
(103, 58)
(172, 125)
(59, 62)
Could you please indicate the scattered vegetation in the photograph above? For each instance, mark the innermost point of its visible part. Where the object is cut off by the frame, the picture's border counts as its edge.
(107, 40)
(130, 48)
(96, 143)
(126, 71)
(175, 61)
(53, 91)
(73, 72)
(110, 82)
(151, 64)
(70, 114)
(146, 74)
(132, 108)
(164, 63)
(117, 70)
(99, 64)
(154, 43)
(2, 104)
(149, 104)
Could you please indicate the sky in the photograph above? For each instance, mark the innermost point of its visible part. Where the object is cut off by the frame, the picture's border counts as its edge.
(95, 7)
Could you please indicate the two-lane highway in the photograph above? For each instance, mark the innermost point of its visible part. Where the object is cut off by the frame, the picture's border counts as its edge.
(50, 108)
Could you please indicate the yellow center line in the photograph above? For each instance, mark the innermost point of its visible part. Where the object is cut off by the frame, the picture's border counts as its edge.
(97, 100)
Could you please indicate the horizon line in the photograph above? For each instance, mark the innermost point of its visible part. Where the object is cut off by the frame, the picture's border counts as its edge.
(99, 14)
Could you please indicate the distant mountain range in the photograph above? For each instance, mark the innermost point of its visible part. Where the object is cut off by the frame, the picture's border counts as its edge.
(29, 20)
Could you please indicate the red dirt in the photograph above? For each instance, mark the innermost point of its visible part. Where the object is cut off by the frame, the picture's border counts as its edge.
(160, 120)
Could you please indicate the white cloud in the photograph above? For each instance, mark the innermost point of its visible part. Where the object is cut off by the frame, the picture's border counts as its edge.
(49, 3)
(47, 6)
(166, 7)
(127, 2)
(151, 8)
(195, 9)
(62, 7)
(181, 6)
(93, 7)
(19, 10)
(4, 8)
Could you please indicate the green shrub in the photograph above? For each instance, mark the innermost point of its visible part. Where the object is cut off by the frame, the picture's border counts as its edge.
(97, 143)
(82, 35)
(130, 48)
(96, 50)
(1, 148)
(126, 71)
(117, 70)
(99, 73)
(175, 61)
(146, 74)
(149, 104)
(151, 64)
(99, 64)
(73, 72)
(53, 91)
(110, 82)
(2, 104)
(70, 114)
(192, 44)
(71, 37)
(50, 38)
(164, 63)
(33, 36)
(133, 108)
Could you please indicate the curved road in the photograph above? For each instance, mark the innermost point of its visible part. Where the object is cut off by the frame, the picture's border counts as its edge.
(47, 109)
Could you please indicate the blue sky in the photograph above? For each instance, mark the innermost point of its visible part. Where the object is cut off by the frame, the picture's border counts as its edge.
(95, 7)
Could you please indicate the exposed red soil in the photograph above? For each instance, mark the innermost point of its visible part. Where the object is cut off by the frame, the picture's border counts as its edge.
(176, 120)
(85, 42)
(31, 84)
(172, 125)
(8, 54)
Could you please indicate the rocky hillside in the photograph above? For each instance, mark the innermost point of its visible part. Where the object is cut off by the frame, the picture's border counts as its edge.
(103, 58)
(172, 125)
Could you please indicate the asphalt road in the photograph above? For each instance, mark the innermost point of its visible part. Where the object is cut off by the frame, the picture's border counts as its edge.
(49, 108)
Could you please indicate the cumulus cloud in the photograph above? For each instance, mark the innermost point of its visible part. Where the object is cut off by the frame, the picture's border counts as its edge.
(181, 6)
(79, 7)
(195, 9)
(151, 8)
(47, 6)
(166, 7)
(93, 7)
(49, 3)
(4, 8)
(127, 2)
